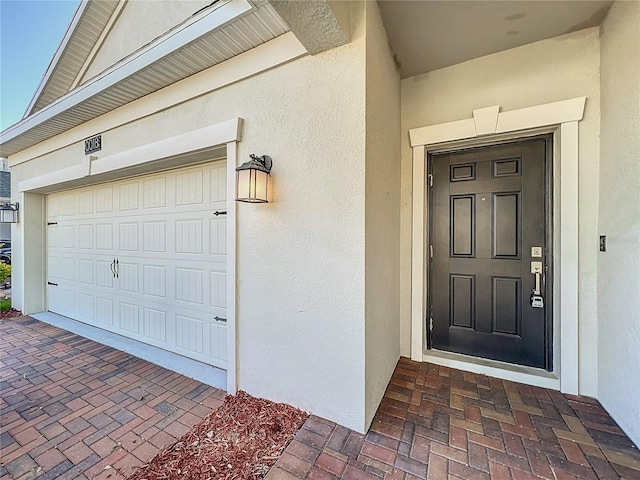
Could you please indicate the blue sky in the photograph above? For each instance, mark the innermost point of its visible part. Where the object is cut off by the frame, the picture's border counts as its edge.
(30, 32)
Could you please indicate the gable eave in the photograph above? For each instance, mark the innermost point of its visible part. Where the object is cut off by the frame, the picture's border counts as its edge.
(201, 42)
(84, 30)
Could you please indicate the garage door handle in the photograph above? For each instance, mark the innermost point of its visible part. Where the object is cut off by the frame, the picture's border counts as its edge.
(220, 212)
(220, 319)
(117, 268)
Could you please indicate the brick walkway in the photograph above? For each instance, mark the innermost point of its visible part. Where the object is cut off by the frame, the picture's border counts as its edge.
(440, 423)
(70, 407)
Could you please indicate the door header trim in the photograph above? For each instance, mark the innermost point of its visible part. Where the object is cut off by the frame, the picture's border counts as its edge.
(219, 134)
(490, 121)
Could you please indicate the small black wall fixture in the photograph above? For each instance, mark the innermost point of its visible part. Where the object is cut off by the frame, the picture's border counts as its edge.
(9, 212)
(252, 180)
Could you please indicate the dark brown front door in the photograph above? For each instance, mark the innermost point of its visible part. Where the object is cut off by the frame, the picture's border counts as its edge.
(489, 212)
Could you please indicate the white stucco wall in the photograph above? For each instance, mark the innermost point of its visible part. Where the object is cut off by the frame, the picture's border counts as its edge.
(300, 258)
(140, 22)
(382, 212)
(556, 69)
(619, 218)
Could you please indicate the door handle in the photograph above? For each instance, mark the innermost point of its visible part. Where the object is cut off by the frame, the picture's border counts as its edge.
(117, 268)
(113, 268)
(536, 297)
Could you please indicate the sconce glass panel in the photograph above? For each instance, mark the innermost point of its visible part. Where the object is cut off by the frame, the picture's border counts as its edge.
(9, 213)
(252, 180)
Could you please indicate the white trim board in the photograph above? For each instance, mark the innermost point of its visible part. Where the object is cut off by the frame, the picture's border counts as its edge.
(276, 52)
(211, 136)
(489, 125)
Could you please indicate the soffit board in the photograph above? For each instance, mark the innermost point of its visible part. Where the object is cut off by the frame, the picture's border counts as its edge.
(428, 35)
(84, 30)
(259, 25)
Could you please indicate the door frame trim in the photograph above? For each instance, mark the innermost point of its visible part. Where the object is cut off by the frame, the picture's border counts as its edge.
(489, 126)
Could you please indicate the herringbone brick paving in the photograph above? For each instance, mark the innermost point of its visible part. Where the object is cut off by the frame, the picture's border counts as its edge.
(71, 408)
(440, 423)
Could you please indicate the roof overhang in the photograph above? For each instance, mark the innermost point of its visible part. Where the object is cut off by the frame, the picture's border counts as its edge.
(88, 24)
(196, 44)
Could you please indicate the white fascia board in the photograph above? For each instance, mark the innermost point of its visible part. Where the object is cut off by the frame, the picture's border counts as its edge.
(54, 61)
(170, 42)
(275, 52)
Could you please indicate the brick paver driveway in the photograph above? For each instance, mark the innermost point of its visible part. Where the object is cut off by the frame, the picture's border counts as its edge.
(440, 423)
(71, 408)
(74, 409)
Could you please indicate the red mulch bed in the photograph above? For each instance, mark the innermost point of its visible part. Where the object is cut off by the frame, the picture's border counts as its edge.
(242, 439)
(10, 313)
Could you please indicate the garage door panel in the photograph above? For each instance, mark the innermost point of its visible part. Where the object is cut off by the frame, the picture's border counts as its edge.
(85, 236)
(104, 274)
(130, 317)
(154, 193)
(67, 269)
(86, 306)
(128, 277)
(190, 334)
(53, 207)
(66, 205)
(169, 283)
(104, 311)
(129, 236)
(104, 200)
(154, 235)
(154, 280)
(155, 325)
(218, 236)
(218, 289)
(104, 236)
(218, 184)
(189, 188)
(63, 301)
(53, 232)
(85, 271)
(189, 236)
(83, 202)
(129, 197)
(65, 236)
(53, 267)
(189, 285)
(218, 341)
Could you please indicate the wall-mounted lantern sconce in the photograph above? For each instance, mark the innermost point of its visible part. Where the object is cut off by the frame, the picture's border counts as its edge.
(9, 212)
(252, 180)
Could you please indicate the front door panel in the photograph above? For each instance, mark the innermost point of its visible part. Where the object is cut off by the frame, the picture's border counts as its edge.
(489, 207)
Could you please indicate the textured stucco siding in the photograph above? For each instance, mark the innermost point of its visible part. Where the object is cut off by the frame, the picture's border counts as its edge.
(619, 218)
(551, 70)
(382, 213)
(300, 259)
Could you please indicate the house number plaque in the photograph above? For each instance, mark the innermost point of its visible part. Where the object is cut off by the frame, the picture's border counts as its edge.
(93, 144)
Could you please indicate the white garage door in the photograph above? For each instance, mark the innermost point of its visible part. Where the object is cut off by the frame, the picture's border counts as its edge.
(145, 258)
